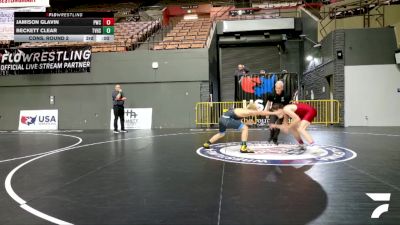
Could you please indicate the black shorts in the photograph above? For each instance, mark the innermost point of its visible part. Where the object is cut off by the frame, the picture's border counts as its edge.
(229, 123)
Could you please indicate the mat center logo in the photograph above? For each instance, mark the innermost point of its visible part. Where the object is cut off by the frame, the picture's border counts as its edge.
(283, 154)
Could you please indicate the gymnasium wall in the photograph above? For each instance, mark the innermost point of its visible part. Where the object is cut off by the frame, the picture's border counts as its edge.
(368, 47)
(132, 66)
(397, 32)
(371, 78)
(84, 100)
(323, 77)
(291, 60)
(372, 95)
(213, 70)
(328, 25)
(316, 71)
(310, 28)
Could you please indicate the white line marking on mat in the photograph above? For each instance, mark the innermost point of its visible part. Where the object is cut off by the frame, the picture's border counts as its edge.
(22, 202)
(44, 216)
(373, 177)
(220, 193)
(38, 154)
(375, 134)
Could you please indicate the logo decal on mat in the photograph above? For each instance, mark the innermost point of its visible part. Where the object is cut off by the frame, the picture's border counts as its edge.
(283, 154)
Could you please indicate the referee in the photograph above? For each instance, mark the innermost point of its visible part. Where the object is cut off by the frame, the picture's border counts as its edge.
(276, 100)
(118, 107)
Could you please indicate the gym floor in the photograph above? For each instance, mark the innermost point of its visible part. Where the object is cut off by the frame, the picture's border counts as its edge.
(156, 177)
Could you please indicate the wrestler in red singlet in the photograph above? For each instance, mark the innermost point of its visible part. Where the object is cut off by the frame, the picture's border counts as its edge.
(305, 112)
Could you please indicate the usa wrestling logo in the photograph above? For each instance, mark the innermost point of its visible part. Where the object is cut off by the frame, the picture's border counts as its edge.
(283, 154)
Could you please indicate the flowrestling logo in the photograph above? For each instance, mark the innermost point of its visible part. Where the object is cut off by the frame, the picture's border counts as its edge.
(45, 60)
(380, 197)
(38, 120)
(283, 154)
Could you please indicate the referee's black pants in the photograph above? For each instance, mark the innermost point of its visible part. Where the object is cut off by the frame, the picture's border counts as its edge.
(119, 112)
(274, 131)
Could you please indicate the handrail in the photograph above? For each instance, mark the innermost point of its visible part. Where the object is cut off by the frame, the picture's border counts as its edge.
(208, 113)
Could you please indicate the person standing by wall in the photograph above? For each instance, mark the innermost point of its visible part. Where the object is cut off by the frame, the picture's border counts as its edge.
(118, 107)
(241, 71)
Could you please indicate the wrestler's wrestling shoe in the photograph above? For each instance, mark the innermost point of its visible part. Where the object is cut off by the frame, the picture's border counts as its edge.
(206, 145)
(314, 149)
(245, 149)
(298, 150)
(301, 147)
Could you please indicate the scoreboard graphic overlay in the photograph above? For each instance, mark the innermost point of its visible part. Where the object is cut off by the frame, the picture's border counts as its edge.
(64, 27)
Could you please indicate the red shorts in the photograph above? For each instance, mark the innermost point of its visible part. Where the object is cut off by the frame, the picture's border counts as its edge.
(306, 112)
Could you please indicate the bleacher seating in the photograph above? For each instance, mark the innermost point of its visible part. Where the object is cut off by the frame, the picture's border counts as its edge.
(99, 7)
(4, 43)
(187, 34)
(127, 37)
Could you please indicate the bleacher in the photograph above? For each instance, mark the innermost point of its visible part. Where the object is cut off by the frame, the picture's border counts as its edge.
(115, 7)
(187, 34)
(127, 35)
(4, 44)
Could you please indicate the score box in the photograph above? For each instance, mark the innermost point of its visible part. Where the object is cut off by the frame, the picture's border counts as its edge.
(108, 22)
(69, 27)
(64, 38)
(108, 30)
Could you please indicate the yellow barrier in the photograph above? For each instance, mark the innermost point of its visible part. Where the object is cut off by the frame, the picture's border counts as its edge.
(328, 111)
(208, 113)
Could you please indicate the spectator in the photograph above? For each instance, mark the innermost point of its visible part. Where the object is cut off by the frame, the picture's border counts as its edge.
(241, 71)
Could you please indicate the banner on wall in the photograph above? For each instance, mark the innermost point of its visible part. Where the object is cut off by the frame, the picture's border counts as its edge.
(135, 118)
(24, 3)
(7, 20)
(20, 61)
(38, 119)
(257, 86)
